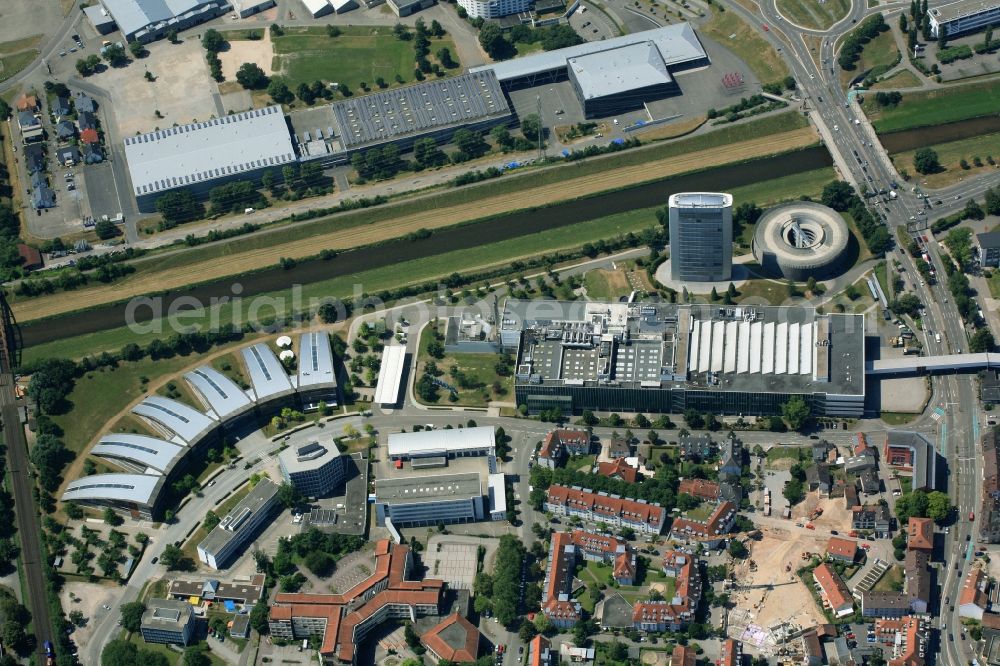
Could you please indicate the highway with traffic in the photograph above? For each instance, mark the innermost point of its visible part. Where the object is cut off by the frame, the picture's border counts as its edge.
(861, 160)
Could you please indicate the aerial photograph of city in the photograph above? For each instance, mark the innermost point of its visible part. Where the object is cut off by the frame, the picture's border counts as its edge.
(499, 332)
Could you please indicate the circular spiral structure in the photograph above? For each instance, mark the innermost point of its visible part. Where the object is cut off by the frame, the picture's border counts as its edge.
(800, 240)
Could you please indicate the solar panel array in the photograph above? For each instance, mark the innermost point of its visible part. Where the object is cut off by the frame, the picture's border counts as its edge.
(419, 108)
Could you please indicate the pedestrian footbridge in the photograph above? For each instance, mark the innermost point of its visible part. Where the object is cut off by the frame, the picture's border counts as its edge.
(922, 365)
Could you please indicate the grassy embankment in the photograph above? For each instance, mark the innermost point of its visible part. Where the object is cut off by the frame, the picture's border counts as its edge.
(950, 155)
(17, 54)
(727, 28)
(935, 107)
(767, 136)
(818, 16)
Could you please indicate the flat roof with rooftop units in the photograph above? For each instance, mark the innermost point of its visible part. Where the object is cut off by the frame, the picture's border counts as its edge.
(220, 393)
(667, 357)
(240, 526)
(961, 8)
(139, 453)
(416, 489)
(186, 422)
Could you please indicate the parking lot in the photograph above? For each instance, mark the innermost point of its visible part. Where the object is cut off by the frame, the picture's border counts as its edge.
(182, 91)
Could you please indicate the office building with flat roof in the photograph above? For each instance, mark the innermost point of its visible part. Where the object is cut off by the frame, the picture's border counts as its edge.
(240, 527)
(168, 621)
(199, 156)
(662, 357)
(426, 500)
(701, 237)
(240, 591)
(317, 376)
(492, 9)
(315, 469)
(963, 16)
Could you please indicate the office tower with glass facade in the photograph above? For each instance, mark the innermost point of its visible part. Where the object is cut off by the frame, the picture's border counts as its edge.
(701, 237)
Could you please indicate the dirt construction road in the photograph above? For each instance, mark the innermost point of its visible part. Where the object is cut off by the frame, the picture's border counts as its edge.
(152, 281)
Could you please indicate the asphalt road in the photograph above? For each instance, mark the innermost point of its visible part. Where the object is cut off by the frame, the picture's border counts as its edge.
(24, 508)
(861, 160)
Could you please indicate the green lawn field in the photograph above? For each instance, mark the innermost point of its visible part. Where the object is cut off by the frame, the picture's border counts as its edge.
(358, 55)
(935, 107)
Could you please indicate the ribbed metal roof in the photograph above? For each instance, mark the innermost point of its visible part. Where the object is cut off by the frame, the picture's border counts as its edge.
(267, 374)
(315, 360)
(138, 488)
(220, 392)
(197, 152)
(186, 422)
(141, 450)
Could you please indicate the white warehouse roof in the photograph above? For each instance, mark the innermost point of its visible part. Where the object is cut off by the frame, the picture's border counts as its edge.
(441, 442)
(390, 375)
(315, 360)
(197, 152)
(186, 422)
(267, 374)
(619, 70)
(677, 44)
(137, 488)
(134, 15)
(220, 392)
(150, 453)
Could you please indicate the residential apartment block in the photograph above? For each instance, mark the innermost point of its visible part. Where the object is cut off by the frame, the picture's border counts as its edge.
(710, 530)
(833, 590)
(344, 620)
(672, 614)
(561, 443)
(640, 515)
